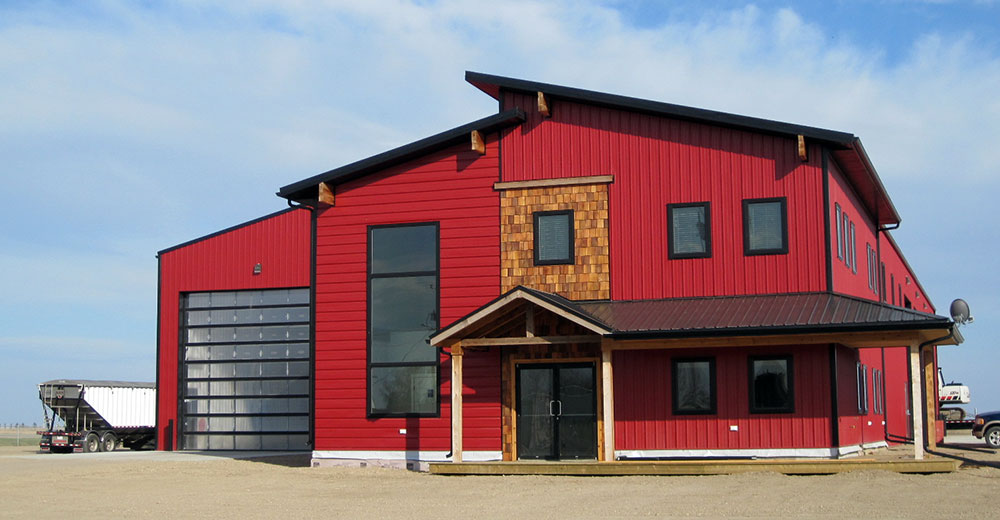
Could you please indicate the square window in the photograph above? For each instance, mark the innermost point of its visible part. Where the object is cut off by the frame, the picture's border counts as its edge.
(693, 386)
(771, 385)
(690, 230)
(765, 226)
(553, 237)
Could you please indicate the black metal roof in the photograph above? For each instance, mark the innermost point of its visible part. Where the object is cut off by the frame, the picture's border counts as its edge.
(491, 85)
(847, 148)
(755, 314)
(307, 189)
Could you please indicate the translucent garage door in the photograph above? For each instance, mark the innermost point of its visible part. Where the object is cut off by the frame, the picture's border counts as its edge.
(245, 370)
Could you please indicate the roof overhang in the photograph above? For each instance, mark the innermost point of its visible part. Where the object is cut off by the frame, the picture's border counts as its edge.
(307, 190)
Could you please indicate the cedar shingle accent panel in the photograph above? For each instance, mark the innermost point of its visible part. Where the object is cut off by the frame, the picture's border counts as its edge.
(588, 278)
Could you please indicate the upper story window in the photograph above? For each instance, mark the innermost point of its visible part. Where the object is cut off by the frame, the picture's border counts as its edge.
(553, 237)
(690, 229)
(693, 386)
(402, 314)
(853, 251)
(765, 226)
(771, 388)
(840, 231)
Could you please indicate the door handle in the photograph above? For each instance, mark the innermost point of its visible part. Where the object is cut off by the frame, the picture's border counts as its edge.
(552, 411)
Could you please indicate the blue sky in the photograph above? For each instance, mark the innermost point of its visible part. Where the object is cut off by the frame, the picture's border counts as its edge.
(129, 127)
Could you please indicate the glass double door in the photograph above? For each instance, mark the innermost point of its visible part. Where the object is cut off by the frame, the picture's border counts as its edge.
(556, 411)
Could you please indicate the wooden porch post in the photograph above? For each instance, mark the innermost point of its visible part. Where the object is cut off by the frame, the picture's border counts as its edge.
(930, 401)
(916, 402)
(456, 402)
(608, 400)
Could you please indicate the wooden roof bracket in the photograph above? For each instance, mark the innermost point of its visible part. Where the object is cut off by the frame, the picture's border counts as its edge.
(326, 194)
(478, 143)
(803, 153)
(543, 105)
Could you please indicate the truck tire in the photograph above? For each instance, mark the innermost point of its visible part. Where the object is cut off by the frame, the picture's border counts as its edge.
(91, 443)
(109, 441)
(992, 437)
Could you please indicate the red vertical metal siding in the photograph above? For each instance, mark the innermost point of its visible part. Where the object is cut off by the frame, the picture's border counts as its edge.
(899, 273)
(872, 429)
(643, 409)
(849, 420)
(455, 188)
(897, 384)
(657, 161)
(845, 280)
(224, 262)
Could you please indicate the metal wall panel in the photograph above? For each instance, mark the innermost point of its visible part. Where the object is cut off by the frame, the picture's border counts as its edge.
(455, 188)
(223, 261)
(644, 418)
(123, 407)
(657, 161)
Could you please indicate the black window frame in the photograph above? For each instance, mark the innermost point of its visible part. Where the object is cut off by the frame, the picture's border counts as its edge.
(789, 366)
(670, 230)
(862, 378)
(783, 250)
(854, 250)
(840, 230)
(713, 408)
(571, 250)
(368, 322)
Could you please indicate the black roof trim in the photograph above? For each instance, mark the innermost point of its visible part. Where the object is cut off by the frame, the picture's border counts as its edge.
(305, 189)
(485, 81)
(227, 230)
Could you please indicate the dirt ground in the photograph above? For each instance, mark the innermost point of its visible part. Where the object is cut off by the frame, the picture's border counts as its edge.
(145, 484)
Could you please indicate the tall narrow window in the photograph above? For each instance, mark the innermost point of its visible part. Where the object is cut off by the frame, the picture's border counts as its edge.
(693, 386)
(771, 385)
(881, 280)
(765, 226)
(892, 287)
(553, 237)
(862, 389)
(690, 229)
(847, 245)
(871, 267)
(840, 231)
(402, 314)
(854, 252)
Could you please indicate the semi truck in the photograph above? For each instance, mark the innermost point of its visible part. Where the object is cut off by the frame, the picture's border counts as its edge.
(90, 416)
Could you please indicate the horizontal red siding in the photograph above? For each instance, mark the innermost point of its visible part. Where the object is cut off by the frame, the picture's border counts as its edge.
(223, 262)
(657, 161)
(643, 409)
(454, 188)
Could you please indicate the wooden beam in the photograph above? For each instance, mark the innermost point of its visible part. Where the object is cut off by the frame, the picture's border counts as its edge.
(608, 400)
(916, 402)
(930, 397)
(529, 321)
(543, 105)
(803, 151)
(554, 183)
(535, 340)
(326, 194)
(456, 402)
(478, 143)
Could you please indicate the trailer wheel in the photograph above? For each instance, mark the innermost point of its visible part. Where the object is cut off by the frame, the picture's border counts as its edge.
(992, 437)
(109, 441)
(91, 443)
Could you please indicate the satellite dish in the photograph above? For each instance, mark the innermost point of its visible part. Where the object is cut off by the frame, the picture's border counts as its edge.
(960, 312)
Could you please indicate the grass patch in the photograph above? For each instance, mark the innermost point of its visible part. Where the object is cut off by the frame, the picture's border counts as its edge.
(26, 440)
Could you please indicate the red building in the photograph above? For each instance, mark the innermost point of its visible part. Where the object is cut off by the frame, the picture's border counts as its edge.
(581, 275)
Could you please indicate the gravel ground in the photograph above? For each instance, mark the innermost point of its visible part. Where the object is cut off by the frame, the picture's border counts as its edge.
(185, 485)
